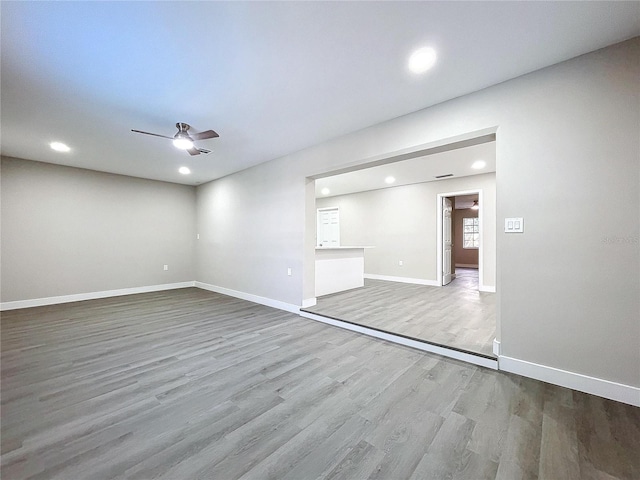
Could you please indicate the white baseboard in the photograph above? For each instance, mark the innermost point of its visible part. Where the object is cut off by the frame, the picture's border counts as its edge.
(425, 347)
(78, 297)
(289, 307)
(496, 347)
(391, 278)
(487, 288)
(309, 302)
(576, 381)
(467, 265)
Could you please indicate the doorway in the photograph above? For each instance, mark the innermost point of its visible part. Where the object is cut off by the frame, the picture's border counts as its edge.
(460, 246)
(403, 293)
(466, 240)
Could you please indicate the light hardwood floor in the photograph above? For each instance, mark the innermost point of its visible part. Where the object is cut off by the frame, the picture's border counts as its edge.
(456, 316)
(190, 384)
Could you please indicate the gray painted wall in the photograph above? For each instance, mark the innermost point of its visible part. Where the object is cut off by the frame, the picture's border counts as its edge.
(67, 231)
(251, 228)
(568, 288)
(568, 161)
(401, 223)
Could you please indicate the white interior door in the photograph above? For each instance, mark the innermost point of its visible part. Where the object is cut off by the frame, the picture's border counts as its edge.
(447, 208)
(329, 228)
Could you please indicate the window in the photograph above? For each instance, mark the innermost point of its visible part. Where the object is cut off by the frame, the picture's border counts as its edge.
(470, 233)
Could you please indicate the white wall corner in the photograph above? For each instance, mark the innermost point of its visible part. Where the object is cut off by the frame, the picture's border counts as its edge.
(269, 302)
(78, 297)
(309, 302)
(596, 386)
(391, 278)
(496, 347)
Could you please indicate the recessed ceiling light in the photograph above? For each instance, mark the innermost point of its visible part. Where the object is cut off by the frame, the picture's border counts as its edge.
(389, 180)
(478, 164)
(184, 170)
(325, 191)
(59, 147)
(422, 60)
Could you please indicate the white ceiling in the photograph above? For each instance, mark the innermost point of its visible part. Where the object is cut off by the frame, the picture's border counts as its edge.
(270, 77)
(415, 170)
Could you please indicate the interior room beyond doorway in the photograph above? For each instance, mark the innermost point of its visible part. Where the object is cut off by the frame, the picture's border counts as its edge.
(392, 211)
(461, 237)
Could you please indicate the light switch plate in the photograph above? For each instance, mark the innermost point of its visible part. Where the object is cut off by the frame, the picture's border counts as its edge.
(514, 225)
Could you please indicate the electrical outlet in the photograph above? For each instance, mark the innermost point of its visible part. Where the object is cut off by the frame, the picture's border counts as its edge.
(197, 236)
(400, 263)
(166, 267)
(289, 271)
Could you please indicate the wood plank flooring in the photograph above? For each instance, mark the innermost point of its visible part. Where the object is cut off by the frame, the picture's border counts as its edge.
(457, 315)
(189, 384)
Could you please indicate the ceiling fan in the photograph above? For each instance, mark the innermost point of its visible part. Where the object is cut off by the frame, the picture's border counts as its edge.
(183, 140)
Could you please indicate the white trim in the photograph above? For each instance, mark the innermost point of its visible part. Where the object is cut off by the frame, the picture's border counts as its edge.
(496, 347)
(309, 302)
(78, 297)
(289, 307)
(391, 278)
(425, 347)
(467, 139)
(576, 381)
(487, 288)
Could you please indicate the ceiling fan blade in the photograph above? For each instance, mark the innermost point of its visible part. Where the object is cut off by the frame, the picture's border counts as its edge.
(193, 151)
(204, 135)
(154, 134)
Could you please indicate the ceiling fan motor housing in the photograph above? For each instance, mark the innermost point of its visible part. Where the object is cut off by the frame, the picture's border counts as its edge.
(184, 135)
(183, 132)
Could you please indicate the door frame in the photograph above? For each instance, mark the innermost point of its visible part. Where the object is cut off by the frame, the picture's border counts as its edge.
(439, 232)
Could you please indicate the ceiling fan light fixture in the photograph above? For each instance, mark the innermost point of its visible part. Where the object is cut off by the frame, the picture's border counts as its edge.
(475, 205)
(183, 142)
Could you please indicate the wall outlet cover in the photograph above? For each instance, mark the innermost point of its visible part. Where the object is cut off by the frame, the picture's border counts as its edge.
(514, 225)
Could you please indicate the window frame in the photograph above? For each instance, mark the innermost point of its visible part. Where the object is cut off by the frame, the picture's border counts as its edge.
(475, 240)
